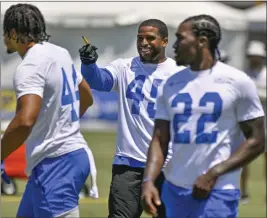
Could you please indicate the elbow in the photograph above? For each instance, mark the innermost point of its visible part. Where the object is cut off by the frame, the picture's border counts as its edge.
(88, 102)
(91, 102)
(90, 99)
(262, 142)
(262, 147)
(27, 122)
(258, 145)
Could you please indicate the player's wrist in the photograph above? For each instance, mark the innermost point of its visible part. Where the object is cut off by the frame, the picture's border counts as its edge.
(215, 171)
(147, 180)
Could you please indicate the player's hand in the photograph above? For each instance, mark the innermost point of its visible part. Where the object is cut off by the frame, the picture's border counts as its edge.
(93, 193)
(203, 185)
(3, 174)
(88, 54)
(150, 198)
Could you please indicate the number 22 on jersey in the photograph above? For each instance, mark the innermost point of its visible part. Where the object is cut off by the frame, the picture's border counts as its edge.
(68, 93)
(183, 137)
(137, 96)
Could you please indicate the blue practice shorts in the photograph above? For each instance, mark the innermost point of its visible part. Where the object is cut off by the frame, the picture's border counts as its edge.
(179, 203)
(54, 186)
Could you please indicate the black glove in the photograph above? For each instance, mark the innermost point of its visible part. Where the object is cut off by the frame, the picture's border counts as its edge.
(88, 54)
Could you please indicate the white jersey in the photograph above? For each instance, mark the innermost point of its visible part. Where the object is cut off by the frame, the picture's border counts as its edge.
(137, 85)
(204, 109)
(47, 70)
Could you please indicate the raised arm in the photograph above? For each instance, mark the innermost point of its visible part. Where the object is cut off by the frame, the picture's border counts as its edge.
(101, 79)
(98, 78)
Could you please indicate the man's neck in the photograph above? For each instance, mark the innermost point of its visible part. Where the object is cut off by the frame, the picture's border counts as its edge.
(157, 61)
(205, 63)
(24, 48)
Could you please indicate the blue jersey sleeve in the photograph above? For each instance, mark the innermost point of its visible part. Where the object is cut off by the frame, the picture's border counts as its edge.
(99, 79)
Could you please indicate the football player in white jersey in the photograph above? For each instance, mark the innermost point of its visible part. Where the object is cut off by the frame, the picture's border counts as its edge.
(205, 110)
(48, 91)
(136, 80)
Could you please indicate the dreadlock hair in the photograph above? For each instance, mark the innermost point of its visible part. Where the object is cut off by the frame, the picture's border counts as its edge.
(160, 25)
(28, 22)
(206, 25)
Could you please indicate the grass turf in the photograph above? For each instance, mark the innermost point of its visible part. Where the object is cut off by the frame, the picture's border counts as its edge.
(103, 146)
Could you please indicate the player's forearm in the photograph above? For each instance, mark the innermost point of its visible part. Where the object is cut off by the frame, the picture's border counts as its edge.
(86, 97)
(98, 78)
(254, 131)
(246, 152)
(157, 154)
(83, 109)
(15, 135)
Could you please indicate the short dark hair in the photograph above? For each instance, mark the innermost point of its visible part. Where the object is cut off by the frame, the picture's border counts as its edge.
(206, 25)
(28, 22)
(160, 25)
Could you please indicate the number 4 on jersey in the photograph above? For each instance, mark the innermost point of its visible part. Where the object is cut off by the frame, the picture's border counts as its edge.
(67, 93)
(137, 96)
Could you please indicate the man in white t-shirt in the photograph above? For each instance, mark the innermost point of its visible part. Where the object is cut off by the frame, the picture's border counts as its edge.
(204, 110)
(136, 80)
(48, 91)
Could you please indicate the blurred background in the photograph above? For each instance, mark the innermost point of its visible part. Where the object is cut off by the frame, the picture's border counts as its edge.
(112, 27)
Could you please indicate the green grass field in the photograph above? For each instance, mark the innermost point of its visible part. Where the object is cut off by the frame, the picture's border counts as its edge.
(103, 146)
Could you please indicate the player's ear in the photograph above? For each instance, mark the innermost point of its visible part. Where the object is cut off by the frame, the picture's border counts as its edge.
(202, 41)
(165, 42)
(13, 34)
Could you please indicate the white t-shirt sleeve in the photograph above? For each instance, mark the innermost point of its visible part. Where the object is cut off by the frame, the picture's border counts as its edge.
(161, 105)
(79, 77)
(29, 79)
(115, 68)
(248, 105)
